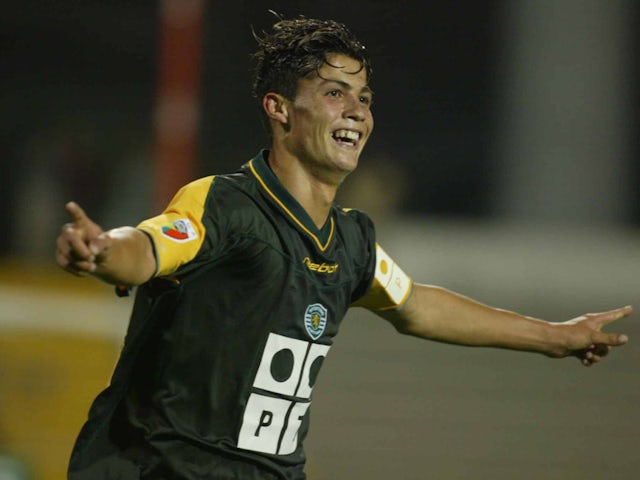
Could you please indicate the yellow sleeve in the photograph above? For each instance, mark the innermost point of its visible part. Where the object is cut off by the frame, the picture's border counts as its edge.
(391, 287)
(178, 232)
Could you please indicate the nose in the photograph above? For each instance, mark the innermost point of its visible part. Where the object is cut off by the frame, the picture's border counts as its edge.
(354, 109)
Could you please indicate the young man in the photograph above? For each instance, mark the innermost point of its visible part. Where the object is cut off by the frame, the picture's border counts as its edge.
(244, 279)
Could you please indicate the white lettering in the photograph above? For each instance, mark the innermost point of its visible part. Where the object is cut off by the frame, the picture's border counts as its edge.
(283, 370)
(264, 377)
(316, 351)
(262, 423)
(290, 438)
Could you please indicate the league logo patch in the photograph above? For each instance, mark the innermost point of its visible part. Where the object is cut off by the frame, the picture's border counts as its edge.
(180, 231)
(315, 320)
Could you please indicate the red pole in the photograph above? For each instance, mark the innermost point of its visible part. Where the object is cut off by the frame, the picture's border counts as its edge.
(177, 115)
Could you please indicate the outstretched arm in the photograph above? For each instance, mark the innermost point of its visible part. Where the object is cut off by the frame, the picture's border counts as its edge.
(438, 314)
(122, 256)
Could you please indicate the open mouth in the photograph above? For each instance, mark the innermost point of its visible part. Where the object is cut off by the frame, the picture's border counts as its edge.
(346, 137)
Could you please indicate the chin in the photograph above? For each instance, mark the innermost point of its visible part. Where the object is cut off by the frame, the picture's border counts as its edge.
(347, 167)
(347, 161)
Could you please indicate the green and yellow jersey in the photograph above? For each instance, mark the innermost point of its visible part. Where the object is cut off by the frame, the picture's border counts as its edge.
(225, 343)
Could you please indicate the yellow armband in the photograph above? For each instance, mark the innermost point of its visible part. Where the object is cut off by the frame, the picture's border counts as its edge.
(391, 287)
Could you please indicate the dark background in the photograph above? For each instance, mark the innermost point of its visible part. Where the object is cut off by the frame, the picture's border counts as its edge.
(79, 81)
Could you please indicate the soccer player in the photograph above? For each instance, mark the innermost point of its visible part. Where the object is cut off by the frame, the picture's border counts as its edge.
(244, 278)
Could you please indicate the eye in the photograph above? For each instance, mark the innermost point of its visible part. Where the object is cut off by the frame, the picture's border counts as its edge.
(366, 100)
(334, 93)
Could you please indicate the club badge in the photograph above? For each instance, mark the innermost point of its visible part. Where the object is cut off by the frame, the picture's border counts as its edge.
(315, 320)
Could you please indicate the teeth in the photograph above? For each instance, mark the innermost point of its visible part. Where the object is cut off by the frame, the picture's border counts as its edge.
(347, 135)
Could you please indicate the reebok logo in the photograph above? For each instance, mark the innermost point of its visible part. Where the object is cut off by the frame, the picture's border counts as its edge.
(320, 267)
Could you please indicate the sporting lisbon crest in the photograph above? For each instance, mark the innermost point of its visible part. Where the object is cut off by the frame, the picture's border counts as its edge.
(315, 320)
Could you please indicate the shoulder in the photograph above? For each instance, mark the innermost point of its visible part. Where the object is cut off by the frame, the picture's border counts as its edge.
(356, 231)
(353, 219)
(195, 190)
(213, 193)
(233, 193)
(240, 182)
(235, 208)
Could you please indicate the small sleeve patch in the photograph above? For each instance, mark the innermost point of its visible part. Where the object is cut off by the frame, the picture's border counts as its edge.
(391, 287)
(180, 231)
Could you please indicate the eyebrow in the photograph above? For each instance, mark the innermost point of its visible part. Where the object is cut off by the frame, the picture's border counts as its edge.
(347, 86)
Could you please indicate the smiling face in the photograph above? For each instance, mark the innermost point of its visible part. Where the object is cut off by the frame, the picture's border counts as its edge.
(329, 120)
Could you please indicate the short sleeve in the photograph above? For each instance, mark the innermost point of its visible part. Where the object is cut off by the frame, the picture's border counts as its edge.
(178, 233)
(391, 287)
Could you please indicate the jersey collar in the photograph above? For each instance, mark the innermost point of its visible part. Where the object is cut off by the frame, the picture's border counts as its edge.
(289, 205)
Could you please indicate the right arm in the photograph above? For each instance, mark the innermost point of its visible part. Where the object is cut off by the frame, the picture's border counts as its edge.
(121, 256)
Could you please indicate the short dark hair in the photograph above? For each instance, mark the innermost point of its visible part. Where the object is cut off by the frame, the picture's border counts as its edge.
(295, 48)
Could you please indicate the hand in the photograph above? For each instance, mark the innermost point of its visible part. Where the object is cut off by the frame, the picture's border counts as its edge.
(81, 244)
(587, 342)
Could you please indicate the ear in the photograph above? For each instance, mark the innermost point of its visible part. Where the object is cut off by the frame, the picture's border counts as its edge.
(275, 106)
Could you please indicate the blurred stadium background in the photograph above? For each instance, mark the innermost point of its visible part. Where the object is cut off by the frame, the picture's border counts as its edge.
(505, 165)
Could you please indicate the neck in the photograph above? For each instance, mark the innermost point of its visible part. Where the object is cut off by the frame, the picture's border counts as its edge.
(311, 191)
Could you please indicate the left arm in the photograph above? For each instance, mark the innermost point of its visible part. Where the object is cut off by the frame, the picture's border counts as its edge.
(438, 314)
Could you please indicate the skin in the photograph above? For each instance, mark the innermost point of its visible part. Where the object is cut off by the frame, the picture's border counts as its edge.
(121, 256)
(438, 314)
(304, 155)
(311, 164)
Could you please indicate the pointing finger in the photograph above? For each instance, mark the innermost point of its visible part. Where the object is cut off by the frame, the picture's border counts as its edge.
(606, 318)
(77, 213)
